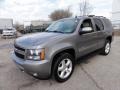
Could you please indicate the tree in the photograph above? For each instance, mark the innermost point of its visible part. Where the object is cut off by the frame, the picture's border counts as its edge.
(59, 14)
(85, 8)
(18, 26)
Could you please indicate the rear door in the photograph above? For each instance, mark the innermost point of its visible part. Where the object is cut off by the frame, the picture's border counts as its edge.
(99, 28)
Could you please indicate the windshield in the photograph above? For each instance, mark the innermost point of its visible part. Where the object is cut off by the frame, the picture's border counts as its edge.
(63, 26)
(8, 29)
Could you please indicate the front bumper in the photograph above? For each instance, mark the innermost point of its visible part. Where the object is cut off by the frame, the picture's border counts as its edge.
(41, 69)
(8, 34)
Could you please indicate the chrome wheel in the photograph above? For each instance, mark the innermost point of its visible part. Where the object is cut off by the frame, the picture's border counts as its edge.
(107, 48)
(64, 68)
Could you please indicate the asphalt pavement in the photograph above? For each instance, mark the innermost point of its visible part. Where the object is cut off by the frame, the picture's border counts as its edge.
(92, 72)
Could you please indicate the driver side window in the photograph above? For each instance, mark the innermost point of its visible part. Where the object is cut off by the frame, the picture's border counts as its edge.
(87, 26)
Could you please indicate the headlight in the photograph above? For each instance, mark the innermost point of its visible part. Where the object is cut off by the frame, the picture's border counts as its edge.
(38, 54)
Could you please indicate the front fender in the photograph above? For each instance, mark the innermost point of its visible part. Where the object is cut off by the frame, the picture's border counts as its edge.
(58, 48)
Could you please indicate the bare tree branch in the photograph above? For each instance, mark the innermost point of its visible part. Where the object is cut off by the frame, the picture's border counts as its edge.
(85, 8)
(59, 14)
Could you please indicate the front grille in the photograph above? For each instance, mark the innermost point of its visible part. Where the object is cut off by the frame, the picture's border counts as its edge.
(19, 48)
(19, 55)
(19, 52)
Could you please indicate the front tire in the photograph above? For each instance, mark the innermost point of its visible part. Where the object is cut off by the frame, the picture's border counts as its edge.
(63, 67)
(106, 48)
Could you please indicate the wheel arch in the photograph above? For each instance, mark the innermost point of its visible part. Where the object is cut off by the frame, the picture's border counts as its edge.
(109, 38)
(69, 50)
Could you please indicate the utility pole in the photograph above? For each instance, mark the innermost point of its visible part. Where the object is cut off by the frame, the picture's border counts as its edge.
(85, 8)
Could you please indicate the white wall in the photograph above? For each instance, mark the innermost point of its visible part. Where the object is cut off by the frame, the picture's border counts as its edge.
(39, 22)
(116, 5)
(116, 14)
(116, 17)
(27, 23)
(6, 23)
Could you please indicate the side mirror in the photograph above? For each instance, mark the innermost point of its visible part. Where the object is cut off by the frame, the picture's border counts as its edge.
(86, 30)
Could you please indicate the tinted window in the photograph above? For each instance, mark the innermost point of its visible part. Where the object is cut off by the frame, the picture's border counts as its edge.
(87, 23)
(63, 26)
(98, 24)
(107, 23)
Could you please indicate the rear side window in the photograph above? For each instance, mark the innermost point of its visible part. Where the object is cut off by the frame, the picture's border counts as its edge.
(98, 24)
(107, 23)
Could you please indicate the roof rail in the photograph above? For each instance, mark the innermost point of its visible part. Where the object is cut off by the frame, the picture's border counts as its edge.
(91, 15)
(96, 16)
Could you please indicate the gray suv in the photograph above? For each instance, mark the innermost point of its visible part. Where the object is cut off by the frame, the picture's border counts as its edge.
(55, 51)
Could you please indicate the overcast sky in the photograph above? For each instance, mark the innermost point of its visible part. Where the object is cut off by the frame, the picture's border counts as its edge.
(26, 10)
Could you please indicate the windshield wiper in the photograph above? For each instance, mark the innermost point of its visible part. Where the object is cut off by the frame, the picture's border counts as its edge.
(54, 31)
(58, 31)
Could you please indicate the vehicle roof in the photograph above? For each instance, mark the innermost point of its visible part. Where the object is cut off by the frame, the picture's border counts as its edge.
(82, 17)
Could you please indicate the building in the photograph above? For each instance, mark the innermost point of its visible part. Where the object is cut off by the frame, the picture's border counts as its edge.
(36, 25)
(116, 14)
(40, 23)
(27, 23)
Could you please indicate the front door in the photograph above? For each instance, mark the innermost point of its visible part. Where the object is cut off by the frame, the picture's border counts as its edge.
(87, 40)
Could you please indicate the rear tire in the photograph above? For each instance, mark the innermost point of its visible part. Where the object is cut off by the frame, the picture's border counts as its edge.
(106, 49)
(63, 67)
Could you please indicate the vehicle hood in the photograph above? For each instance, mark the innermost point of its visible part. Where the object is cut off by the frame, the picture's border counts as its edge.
(36, 39)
